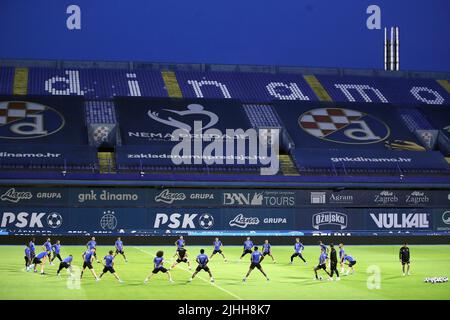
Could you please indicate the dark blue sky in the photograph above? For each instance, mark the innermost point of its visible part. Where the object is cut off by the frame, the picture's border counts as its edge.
(324, 33)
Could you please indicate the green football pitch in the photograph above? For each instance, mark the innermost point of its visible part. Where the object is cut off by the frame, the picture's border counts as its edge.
(377, 276)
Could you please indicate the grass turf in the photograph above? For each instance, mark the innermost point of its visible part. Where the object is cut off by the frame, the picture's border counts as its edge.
(286, 281)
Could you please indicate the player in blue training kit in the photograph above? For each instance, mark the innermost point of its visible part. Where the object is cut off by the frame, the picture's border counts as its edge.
(180, 243)
(56, 251)
(109, 266)
(248, 245)
(298, 249)
(27, 257)
(218, 249)
(322, 264)
(88, 257)
(32, 248)
(341, 256)
(267, 250)
(202, 260)
(92, 245)
(40, 259)
(182, 256)
(119, 248)
(351, 263)
(158, 265)
(48, 247)
(256, 259)
(323, 247)
(65, 264)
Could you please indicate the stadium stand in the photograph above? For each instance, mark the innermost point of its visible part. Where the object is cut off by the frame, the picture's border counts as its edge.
(106, 119)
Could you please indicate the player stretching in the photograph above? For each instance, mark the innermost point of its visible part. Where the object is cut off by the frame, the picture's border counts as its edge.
(218, 249)
(109, 266)
(351, 263)
(323, 247)
(158, 264)
(65, 264)
(48, 247)
(27, 257)
(298, 249)
(404, 259)
(92, 245)
(119, 248)
(32, 248)
(248, 245)
(202, 260)
(341, 256)
(333, 263)
(180, 243)
(256, 259)
(322, 264)
(88, 257)
(40, 259)
(56, 251)
(181, 257)
(267, 250)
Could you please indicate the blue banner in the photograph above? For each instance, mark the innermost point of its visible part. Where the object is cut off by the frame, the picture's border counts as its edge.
(345, 126)
(42, 120)
(17, 220)
(442, 219)
(373, 198)
(255, 219)
(399, 219)
(368, 160)
(32, 196)
(440, 119)
(108, 197)
(48, 155)
(144, 121)
(178, 197)
(259, 198)
(200, 156)
(136, 221)
(339, 219)
(221, 198)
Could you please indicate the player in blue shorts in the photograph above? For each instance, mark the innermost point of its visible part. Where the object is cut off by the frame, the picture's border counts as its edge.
(158, 266)
(350, 262)
(267, 250)
(218, 249)
(65, 264)
(202, 260)
(109, 266)
(48, 247)
(180, 243)
(248, 245)
(322, 265)
(119, 248)
(27, 257)
(341, 256)
(92, 245)
(32, 248)
(88, 257)
(182, 256)
(56, 251)
(298, 249)
(256, 259)
(40, 259)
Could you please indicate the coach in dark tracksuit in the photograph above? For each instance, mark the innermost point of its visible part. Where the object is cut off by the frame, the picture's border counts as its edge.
(333, 262)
